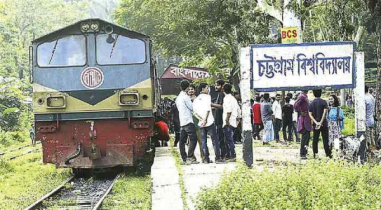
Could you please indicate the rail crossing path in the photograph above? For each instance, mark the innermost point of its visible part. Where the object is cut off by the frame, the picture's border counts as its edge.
(166, 181)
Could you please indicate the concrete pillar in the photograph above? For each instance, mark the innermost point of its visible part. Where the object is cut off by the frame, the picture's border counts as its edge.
(342, 97)
(246, 106)
(359, 93)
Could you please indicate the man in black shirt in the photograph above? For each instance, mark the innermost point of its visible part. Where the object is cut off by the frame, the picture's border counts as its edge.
(176, 122)
(318, 111)
(287, 111)
(218, 121)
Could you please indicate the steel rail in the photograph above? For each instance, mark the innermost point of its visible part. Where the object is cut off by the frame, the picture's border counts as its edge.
(39, 202)
(99, 203)
(21, 155)
(17, 149)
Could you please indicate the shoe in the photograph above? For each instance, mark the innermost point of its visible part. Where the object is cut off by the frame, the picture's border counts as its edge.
(266, 143)
(207, 161)
(231, 160)
(220, 161)
(192, 161)
(303, 158)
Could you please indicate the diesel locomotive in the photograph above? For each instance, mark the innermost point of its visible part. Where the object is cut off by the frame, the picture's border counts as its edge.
(95, 95)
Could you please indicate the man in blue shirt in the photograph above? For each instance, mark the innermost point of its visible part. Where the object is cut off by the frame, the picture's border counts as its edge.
(187, 128)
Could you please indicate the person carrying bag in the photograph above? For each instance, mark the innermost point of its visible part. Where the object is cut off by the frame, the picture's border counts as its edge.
(335, 121)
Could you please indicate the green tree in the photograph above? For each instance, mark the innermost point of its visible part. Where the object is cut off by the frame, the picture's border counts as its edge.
(204, 33)
(13, 108)
(339, 20)
(21, 21)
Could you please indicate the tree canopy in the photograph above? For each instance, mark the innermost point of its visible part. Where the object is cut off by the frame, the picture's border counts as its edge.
(205, 33)
(21, 21)
(208, 33)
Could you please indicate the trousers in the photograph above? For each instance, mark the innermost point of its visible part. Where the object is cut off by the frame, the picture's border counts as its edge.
(229, 136)
(325, 137)
(277, 126)
(305, 141)
(185, 132)
(211, 130)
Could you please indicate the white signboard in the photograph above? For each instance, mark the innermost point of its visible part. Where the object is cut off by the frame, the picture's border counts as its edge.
(301, 66)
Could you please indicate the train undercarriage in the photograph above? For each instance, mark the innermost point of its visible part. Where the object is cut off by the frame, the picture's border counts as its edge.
(97, 144)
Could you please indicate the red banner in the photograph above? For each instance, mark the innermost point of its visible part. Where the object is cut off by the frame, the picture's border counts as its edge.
(191, 73)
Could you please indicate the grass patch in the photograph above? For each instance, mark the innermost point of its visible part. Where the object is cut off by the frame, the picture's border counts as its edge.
(319, 184)
(178, 162)
(12, 140)
(349, 127)
(275, 145)
(131, 191)
(26, 179)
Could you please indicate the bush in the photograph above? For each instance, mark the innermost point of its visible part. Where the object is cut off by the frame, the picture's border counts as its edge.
(5, 167)
(349, 111)
(13, 110)
(9, 138)
(349, 127)
(316, 185)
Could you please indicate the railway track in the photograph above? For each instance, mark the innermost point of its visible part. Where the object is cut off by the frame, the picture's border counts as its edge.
(77, 193)
(8, 156)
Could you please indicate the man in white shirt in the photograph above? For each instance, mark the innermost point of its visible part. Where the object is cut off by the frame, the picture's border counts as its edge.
(277, 110)
(203, 111)
(230, 115)
(187, 128)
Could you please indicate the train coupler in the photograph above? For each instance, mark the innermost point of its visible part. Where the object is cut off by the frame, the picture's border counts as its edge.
(94, 153)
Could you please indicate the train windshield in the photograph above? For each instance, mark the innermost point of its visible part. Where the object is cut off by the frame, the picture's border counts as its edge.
(118, 49)
(64, 51)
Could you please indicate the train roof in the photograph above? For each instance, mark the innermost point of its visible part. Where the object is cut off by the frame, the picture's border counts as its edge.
(59, 31)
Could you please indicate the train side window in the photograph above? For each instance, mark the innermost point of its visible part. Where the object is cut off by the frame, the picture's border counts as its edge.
(117, 49)
(64, 51)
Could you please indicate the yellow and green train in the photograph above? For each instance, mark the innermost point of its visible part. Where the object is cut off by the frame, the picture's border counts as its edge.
(95, 95)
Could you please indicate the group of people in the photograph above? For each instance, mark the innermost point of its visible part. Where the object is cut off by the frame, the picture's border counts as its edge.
(200, 116)
(269, 115)
(194, 117)
(299, 116)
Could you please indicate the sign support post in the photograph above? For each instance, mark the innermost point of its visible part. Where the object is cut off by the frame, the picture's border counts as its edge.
(246, 106)
(359, 91)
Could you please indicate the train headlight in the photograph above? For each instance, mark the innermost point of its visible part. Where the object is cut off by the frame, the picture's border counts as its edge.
(85, 27)
(128, 98)
(94, 26)
(56, 102)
